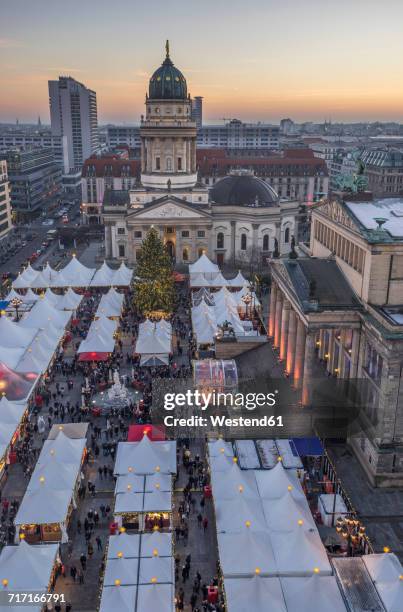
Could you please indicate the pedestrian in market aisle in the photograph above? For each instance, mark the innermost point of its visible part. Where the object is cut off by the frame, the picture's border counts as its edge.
(90, 549)
(99, 543)
(83, 561)
(205, 523)
(80, 577)
(68, 607)
(199, 520)
(73, 572)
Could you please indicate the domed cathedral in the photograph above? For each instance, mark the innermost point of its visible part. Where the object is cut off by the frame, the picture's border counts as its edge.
(240, 220)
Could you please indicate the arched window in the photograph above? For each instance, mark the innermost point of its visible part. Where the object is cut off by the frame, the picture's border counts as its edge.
(185, 254)
(220, 240)
(243, 242)
(287, 235)
(169, 164)
(266, 242)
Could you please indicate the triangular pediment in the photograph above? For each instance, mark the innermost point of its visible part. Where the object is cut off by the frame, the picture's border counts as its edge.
(339, 213)
(170, 208)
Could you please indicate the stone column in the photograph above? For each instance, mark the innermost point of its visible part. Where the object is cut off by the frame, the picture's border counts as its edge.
(285, 314)
(277, 324)
(299, 354)
(272, 313)
(309, 358)
(233, 243)
(355, 344)
(322, 343)
(330, 351)
(292, 336)
(341, 362)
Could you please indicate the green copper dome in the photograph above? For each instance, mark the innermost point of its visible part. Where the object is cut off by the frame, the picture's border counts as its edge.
(167, 82)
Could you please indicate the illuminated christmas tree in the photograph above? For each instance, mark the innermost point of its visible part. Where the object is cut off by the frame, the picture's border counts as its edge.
(155, 290)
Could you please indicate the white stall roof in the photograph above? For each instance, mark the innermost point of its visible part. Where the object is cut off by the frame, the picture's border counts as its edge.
(123, 569)
(274, 483)
(14, 335)
(203, 266)
(111, 304)
(158, 540)
(248, 512)
(158, 501)
(220, 447)
(238, 281)
(122, 277)
(75, 274)
(241, 553)
(283, 514)
(122, 598)
(43, 506)
(257, 594)
(129, 482)
(312, 594)
(161, 568)
(26, 567)
(145, 456)
(155, 598)
(234, 483)
(127, 544)
(299, 552)
(128, 502)
(102, 277)
(158, 482)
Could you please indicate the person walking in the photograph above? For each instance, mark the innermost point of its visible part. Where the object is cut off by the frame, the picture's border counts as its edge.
(83, 561)
(73, 572)
(99, 543)
(80, 577)
(205, 523)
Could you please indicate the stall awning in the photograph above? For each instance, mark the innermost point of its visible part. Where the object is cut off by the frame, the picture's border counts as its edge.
(308, 447)
(93, 356)
(153, 432)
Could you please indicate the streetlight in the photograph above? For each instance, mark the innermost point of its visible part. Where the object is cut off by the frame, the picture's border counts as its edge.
(247, 298)
(16, 303)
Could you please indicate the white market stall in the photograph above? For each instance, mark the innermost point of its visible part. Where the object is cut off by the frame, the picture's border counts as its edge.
(25, 568)
(312, 594)
(50, 496)
(110, 305)
(154, 343)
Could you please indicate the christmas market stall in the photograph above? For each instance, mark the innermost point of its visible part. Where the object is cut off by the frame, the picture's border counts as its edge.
(12, 419)
(143, 563)
(154, 343)
(111, 305)
(28, 569)
(46, 507)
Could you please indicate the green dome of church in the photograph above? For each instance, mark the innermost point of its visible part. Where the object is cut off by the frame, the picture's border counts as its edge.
(167, 82)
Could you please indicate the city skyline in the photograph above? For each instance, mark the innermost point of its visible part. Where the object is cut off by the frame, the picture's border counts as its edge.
(301, 61)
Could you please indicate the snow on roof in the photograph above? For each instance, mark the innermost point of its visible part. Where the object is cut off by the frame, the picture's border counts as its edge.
(390, 209)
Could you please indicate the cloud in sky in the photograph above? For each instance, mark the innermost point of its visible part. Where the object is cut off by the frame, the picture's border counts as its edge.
(10, 43)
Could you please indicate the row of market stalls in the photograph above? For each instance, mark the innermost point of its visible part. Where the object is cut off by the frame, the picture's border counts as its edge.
(143, 493)
(74, 274)
(29, 345)
(287, 568)
(100, 341)
(205, 273)
(12, 418)
(154, 343)
(139, 570)
(211, 313)
(46, 507)
(139, 573)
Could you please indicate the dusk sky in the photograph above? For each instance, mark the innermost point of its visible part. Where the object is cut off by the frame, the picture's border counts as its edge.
(255, 60)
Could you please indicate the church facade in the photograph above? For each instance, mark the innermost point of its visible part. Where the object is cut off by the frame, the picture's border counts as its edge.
(239, 220)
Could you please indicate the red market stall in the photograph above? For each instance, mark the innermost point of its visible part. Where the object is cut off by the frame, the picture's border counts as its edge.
(93, 356)
(156, 433)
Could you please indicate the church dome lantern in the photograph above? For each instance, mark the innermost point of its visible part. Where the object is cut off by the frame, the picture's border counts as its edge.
(167, 82)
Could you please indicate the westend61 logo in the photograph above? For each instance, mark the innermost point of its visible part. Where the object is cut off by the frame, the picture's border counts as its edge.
(203, 400)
